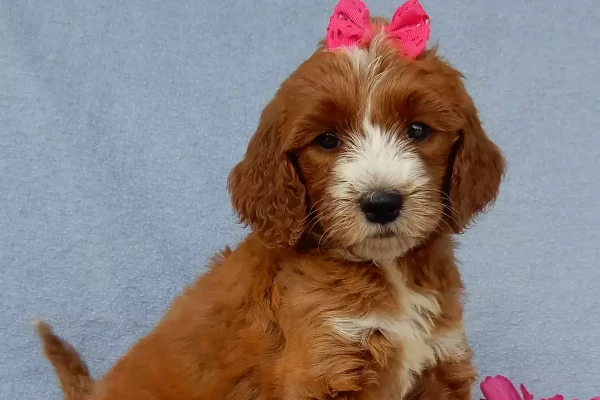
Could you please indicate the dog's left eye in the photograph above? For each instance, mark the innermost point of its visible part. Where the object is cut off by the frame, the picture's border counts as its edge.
(328, 140)
(418, 131)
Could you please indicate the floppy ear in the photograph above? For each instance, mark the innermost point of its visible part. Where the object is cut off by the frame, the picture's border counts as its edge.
(477, 172)
(265, 188)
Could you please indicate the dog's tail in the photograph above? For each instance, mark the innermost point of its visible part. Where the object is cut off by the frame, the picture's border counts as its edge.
(73, 374)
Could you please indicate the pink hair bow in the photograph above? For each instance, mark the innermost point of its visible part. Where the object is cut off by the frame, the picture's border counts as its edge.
(350, 25)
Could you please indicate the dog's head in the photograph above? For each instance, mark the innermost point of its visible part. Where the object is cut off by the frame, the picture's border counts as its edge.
(367, 150)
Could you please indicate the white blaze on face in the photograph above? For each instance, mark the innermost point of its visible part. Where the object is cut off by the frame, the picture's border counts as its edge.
(377, 160)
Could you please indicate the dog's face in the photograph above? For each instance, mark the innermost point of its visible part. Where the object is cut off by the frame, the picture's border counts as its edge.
(367, 151)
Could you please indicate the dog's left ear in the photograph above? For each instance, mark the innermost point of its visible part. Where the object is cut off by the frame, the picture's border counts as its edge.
(477, 171)
(266, 190)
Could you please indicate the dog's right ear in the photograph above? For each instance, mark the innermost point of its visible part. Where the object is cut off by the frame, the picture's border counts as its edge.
(265, 188)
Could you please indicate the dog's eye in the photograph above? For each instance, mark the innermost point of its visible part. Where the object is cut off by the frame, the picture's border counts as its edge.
(418, 131)
(328, 140)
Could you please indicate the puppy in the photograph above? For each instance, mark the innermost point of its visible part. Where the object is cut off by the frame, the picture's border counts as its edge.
(367, 161)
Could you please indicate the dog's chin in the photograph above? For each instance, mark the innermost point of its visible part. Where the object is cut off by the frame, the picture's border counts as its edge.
(384, 247)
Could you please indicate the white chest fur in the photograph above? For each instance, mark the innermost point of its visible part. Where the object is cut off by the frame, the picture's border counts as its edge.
(412, 328)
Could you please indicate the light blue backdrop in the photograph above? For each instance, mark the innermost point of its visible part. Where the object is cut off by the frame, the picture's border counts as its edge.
(120, 120)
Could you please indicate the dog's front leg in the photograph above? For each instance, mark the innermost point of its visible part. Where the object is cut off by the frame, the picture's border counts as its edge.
(320, 365)
(458, 377)
(449, 380)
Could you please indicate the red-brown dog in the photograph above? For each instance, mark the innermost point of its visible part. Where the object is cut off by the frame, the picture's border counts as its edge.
(366, 162)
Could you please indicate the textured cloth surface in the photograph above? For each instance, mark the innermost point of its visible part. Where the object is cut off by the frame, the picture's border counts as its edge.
(120, 120)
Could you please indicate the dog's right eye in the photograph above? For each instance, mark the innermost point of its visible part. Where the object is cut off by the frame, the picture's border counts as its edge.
(328, 140)
(418, 131)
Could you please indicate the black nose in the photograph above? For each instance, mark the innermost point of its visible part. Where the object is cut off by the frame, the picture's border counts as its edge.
(381, 207)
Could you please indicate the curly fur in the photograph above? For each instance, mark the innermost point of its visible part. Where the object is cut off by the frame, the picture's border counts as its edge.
(316, 303)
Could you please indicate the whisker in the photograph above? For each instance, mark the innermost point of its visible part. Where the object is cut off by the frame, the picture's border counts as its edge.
(425, 191)
(312, 210)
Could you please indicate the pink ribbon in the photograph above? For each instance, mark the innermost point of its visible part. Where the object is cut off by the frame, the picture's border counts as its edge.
(350, 26)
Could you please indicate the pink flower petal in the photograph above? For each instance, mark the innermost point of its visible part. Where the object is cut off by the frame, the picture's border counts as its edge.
(499, 388)
(526, 394)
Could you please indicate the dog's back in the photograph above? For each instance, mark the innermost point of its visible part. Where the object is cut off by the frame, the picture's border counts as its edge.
(73, 374)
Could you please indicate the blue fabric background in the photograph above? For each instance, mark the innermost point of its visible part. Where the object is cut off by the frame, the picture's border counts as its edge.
(120, 120)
